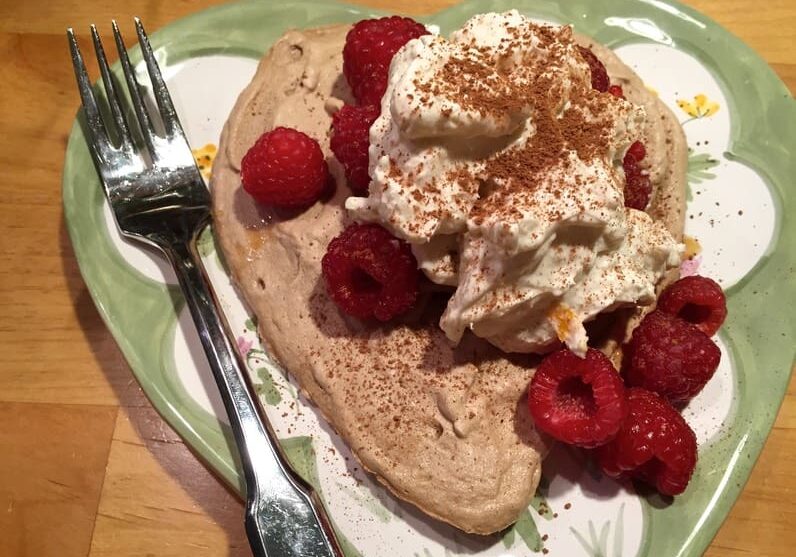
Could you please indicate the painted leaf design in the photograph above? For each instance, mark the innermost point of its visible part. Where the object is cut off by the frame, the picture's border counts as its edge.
(368, 501)
(508, 537)
(205, 244)
(301, 455)
(526, 529)
(603, 541)
(254, 358)
(539, 504)
(267, 388)
(699, 166)
(528, 532)
(348, 548)
(597, 544)
(619, 532)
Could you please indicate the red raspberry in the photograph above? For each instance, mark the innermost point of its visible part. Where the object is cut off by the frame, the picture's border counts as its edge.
(698, 300)
(580, 401)
(638, 186)
(285, 168)
(636, 151)
(350, 140)
(654, 444)
(670, 356)
(370, 89)
(368, 51)
(370, 273)
(616, 91)
(599, 75)
(637, 191)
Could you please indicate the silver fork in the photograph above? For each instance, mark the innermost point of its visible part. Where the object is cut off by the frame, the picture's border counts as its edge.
(158, 197)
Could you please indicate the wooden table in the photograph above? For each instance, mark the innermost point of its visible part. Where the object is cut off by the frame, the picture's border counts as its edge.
(86, 465)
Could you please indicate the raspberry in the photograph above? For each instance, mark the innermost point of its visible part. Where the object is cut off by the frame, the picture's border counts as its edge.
(698, 300)
(654, 444)
(637, 191)
(285, 168)
(638, 186)
(350, 140)
(670, 356)
(599, 75)
(636, 151)
(616, 91)
(580, 401)
(368, 51)
(370, 89)
(370, 273)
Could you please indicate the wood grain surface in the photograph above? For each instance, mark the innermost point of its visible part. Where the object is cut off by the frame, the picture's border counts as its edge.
(86, 465)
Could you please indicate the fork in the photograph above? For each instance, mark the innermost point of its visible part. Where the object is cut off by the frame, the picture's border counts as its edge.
(158, 197)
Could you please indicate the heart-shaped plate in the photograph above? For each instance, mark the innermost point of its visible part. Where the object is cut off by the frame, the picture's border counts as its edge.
(740, 122)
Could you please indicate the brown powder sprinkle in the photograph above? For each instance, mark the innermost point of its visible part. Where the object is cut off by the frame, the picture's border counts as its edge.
(490, 82)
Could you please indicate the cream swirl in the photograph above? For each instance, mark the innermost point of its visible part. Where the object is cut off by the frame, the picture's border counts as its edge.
(497, 161)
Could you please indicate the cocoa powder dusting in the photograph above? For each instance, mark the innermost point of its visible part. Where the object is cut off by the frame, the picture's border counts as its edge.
(486, 81)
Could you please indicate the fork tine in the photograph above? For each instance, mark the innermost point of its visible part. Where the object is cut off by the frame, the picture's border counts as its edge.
(144, 122)
(167, 112)
(110, 89)
(97, 133)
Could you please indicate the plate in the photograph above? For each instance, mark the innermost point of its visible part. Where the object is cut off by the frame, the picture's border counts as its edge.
(740, 121)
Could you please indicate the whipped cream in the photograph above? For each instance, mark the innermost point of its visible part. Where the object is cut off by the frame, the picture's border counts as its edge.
(495, 159)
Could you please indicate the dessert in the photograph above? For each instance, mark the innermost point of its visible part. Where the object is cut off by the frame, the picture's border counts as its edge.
(496, 158)
(447, 425)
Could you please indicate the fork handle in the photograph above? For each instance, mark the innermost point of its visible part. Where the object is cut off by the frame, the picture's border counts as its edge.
(284, 516)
